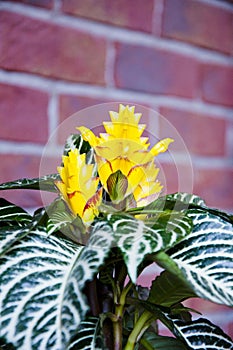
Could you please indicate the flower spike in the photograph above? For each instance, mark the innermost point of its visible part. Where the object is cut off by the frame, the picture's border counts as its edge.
(79, 186)
(123, 151)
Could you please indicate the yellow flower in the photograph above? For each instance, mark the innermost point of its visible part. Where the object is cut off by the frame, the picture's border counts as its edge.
(122, 148)
(78, 186)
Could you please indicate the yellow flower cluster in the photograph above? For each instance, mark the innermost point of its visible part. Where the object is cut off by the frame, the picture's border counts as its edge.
(78, 186)
(121, 150)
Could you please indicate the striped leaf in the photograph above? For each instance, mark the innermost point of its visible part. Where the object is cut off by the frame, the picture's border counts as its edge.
(14, 224)
(42, 280)
(186, 198)
(60, 218)
(201, 334)
(12, 214)
(84, 269)
(88, 335)
(44, 183)
(76, 141)
(9, 235)
(136, 240)
(33, 277)
(183, 201)
(205, 257)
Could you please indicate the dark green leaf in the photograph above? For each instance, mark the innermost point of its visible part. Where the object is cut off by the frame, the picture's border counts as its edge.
(167, 290)
(60, 218)
(44, 183)
(33, 277)
(88, 335)
(12, 214)
(186, 198)
(136, 240)
(159, 342)
(85, 267)
(205, 257)
(201, 334)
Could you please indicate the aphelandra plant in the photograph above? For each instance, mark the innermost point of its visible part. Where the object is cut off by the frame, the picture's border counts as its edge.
(69, 272)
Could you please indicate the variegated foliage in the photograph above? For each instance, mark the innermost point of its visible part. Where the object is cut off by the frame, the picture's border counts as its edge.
(136, 240)
(205, 257)
(42, 281)
(43, 275)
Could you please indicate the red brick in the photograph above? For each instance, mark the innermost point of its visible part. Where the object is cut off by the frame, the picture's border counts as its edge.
(47, 49)
(81, 110)
(70, 104)
(174, 176)
(72, 110)
(214, 185)
(40, 3)
(202, 135)
(198, 23)
(23, 114)
(217, 84)
(13, 167)
(120, 13)
(155, 71)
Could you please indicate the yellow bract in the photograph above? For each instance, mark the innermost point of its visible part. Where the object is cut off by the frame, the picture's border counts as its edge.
(122, 148)
(78, 186)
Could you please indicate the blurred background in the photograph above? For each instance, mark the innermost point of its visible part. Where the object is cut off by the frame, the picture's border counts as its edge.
(58, 57)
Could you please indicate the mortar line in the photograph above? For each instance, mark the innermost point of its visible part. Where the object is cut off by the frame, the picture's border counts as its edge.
(64, 87)
(122, 35)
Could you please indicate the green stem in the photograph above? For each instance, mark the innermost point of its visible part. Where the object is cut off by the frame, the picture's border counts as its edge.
(117, 322)
(141, 325)
(117, 334)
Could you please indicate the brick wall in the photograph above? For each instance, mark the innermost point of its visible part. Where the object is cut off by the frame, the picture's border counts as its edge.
(174, 56)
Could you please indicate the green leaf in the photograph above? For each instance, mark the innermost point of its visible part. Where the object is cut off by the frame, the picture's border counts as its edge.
(173, 222)
(84, 269)
(161, 342)
(33, 278)
(76, 141)
(201, 334)
(12, 214)
(42, 280)
(167, 290)
(88, 335)
(136, 240)
(60, 218)
(117, 184)
(186, 198)
(15, 223)
(205, 257)
(9, 235)
(183, 201)
(44, 183)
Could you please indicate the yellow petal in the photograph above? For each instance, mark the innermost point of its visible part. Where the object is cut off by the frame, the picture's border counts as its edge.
(88, 136)
(161, 146)
(77, 183)
(104, 170)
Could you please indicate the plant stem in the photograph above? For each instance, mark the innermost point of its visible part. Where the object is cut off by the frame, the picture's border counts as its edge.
(117, 334)
(141, 325)
(119, 311)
